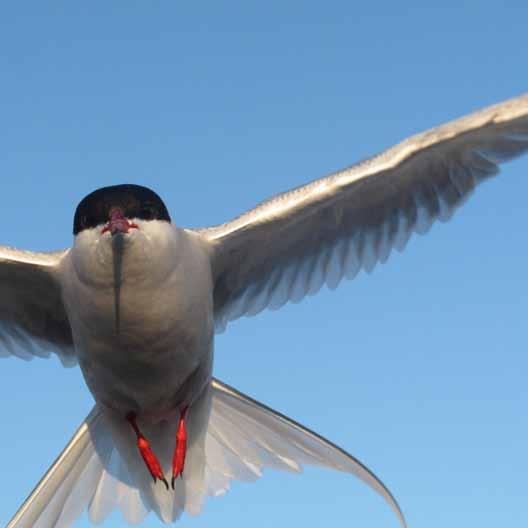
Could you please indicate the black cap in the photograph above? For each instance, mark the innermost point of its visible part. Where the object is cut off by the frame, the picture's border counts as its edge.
(135, 201)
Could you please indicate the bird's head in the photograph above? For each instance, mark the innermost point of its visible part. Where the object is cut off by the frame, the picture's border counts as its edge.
(121, 232)
(118, 210)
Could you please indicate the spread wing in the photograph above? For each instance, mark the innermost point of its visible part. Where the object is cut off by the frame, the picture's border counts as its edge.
(289, 246)
(33, 321)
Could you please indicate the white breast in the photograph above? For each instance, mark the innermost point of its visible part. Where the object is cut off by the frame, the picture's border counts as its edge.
(162, 350)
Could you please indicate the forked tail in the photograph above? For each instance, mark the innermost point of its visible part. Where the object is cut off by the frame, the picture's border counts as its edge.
(98, 469)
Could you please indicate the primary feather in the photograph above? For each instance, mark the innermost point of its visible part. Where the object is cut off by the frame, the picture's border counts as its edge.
(289, 246)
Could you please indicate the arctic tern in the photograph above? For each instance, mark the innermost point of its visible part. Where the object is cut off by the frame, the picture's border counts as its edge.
(136, 302)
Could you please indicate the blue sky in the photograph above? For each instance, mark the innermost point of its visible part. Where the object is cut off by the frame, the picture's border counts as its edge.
(419, 368)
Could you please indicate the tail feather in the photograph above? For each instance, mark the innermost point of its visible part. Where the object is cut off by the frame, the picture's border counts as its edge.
(114, 488)
(49, 504)
(258, 433)
(231, 437)
(80, 491)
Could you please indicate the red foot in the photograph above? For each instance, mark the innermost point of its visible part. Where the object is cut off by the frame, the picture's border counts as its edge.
(178, 459)
(146, 452)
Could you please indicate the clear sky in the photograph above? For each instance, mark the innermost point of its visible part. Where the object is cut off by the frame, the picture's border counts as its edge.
(419, 369)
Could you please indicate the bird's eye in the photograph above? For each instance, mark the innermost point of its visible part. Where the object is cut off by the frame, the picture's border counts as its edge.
(148, 212)
(89, 221)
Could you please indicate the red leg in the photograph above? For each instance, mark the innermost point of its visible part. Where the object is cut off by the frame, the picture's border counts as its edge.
(146, 452)
(178, 459)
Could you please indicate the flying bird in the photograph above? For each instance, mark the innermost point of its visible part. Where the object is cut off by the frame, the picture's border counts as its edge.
(136, 301)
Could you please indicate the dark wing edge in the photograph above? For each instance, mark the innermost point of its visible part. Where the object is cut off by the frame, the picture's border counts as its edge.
(291, 245)
(33, 320)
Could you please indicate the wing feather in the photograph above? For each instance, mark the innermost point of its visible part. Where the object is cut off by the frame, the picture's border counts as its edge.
(33, 321)
(289, 246)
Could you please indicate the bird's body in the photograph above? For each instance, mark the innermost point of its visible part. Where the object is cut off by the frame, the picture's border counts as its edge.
(160, 358)
(136, 301)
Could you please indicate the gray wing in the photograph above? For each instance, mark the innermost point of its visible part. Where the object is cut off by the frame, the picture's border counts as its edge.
(33, 321)
(291, 245)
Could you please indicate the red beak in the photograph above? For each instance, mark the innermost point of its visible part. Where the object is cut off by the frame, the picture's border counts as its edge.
(118, 223)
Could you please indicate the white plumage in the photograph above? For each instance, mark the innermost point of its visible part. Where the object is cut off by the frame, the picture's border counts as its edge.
(243, 437)
(137, 312)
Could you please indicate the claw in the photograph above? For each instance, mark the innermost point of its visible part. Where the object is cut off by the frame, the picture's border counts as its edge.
(162, 479)
(178, 459)
(146, 453)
